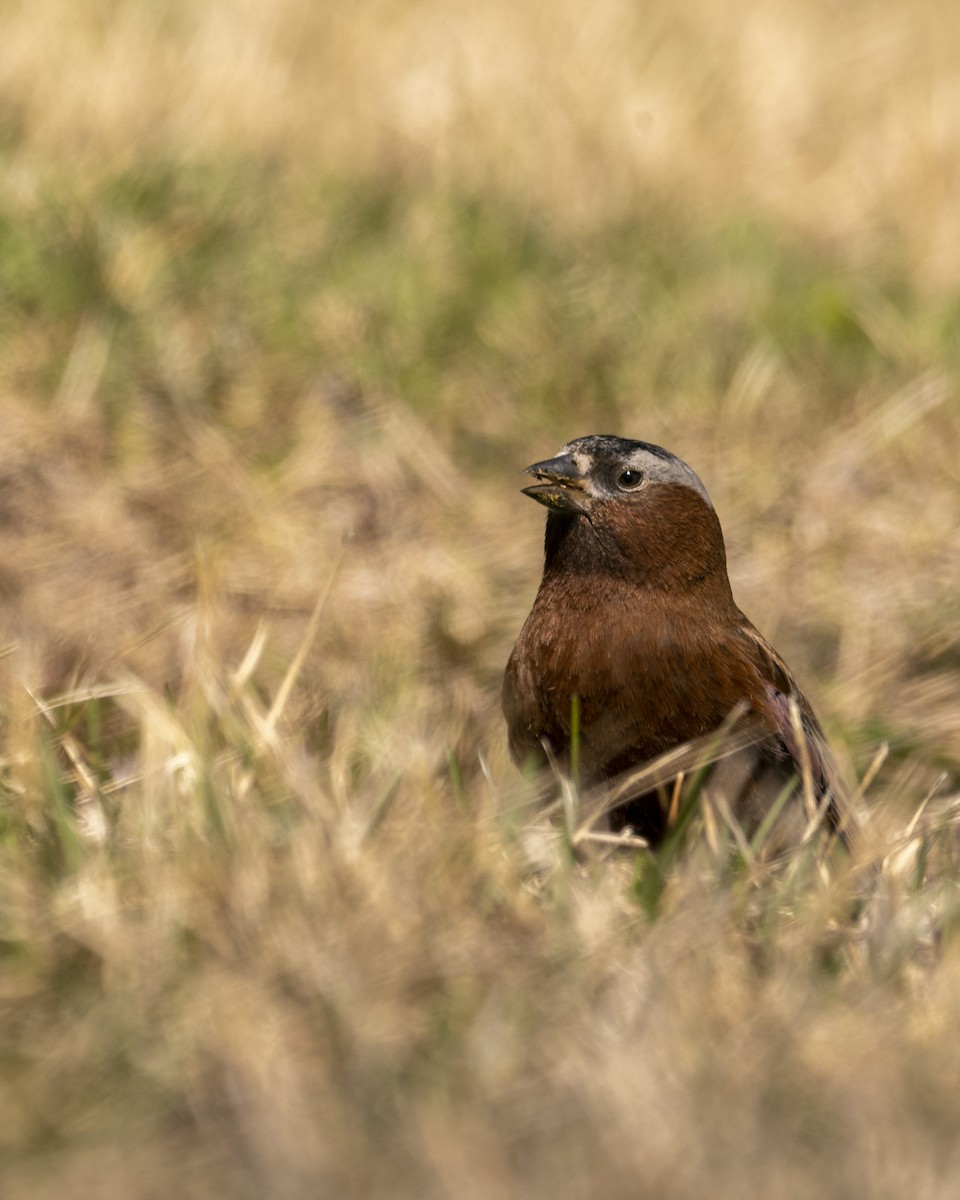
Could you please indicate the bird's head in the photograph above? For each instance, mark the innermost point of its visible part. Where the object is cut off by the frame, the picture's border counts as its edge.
(628, 507)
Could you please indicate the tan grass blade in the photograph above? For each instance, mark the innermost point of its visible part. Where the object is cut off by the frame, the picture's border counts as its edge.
(290, 678)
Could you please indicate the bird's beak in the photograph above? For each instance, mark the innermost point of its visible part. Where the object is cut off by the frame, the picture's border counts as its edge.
(559, 486)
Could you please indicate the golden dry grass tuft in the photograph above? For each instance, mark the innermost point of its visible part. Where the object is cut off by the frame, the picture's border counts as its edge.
(288, 295)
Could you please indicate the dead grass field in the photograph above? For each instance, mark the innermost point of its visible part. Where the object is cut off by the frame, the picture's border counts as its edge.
(289, 293)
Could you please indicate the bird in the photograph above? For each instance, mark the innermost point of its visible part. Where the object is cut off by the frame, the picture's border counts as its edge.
(634, 637)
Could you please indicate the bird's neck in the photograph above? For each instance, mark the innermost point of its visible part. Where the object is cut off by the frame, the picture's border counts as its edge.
(673, 545)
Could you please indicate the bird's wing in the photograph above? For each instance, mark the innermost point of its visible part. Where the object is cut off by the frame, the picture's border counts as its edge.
(802, 739)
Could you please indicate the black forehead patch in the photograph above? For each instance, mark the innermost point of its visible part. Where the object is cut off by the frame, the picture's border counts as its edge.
(609, 446)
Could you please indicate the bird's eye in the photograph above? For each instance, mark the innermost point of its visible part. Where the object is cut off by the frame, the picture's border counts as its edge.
(629, 479)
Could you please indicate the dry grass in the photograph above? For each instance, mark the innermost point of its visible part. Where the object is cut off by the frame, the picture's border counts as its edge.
(287, 296)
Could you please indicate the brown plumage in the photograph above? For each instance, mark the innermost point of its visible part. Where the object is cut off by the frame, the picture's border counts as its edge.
(635, 617)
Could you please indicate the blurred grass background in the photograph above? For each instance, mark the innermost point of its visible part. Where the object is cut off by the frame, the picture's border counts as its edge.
(289, 294)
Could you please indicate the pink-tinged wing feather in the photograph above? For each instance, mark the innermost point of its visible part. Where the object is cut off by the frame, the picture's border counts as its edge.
(812, 748)
(779, 689)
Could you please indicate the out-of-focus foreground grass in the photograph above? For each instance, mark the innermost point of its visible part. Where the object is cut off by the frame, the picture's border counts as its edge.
(288, 295)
